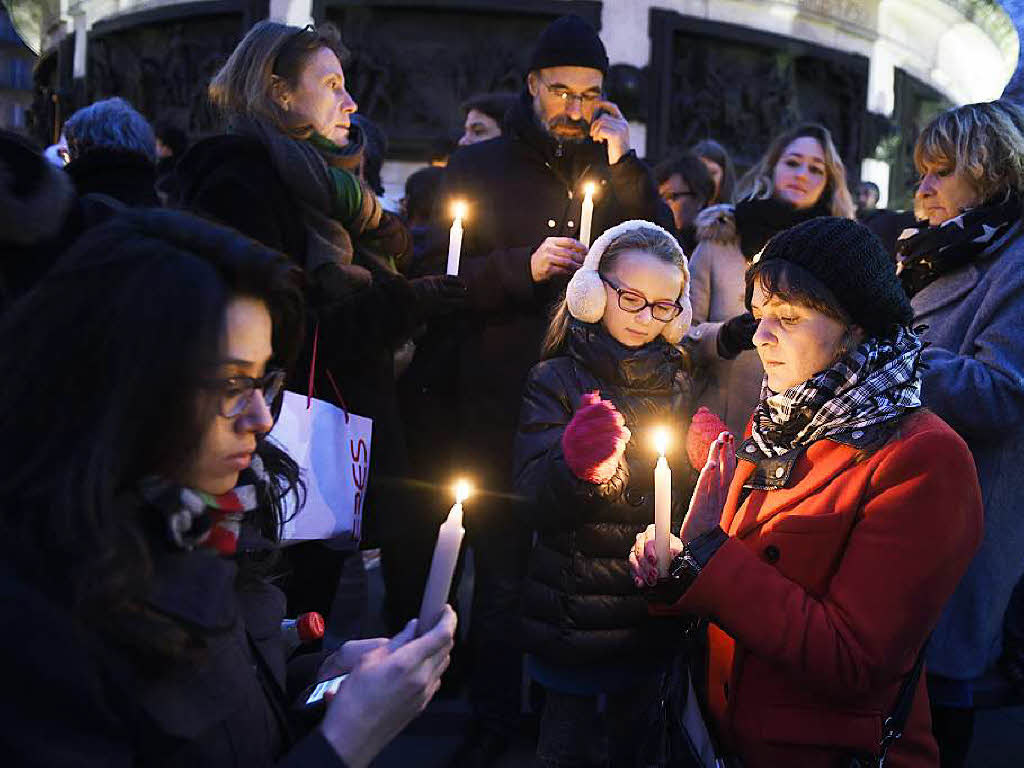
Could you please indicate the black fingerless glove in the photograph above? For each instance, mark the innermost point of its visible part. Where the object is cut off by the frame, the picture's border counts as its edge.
(736, 335)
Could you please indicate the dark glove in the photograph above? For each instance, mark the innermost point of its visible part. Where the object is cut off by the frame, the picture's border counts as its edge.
(438, 295)
(736, 335)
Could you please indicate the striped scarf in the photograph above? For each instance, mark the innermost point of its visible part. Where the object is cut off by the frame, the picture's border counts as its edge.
(199, 520)
(878, 381)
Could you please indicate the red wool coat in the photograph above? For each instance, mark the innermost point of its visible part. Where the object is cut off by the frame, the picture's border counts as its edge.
(825, 591)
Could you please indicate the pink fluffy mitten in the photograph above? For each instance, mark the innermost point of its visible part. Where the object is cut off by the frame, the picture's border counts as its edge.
(704, 430)
(595, 439)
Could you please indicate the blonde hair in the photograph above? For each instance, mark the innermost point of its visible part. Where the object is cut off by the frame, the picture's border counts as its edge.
(757, 183)
(244, 86)
(650, 240)
(985, 141)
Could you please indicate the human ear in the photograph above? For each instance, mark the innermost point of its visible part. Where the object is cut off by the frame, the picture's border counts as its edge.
(531, 84)
(279, 92)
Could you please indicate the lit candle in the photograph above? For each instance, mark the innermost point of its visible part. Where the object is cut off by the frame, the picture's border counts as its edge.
(662, 502)
(588, 214)
(442, 567)
(455, 238)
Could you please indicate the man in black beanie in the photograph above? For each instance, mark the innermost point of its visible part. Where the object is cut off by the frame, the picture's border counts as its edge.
(524, 192)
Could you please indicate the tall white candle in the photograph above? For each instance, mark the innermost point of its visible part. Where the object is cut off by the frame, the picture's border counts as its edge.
(587, 217)
(442, 567)
(662, 503)
(455, 238)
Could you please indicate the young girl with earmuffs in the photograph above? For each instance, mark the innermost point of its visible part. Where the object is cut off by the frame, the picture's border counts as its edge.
(610, 374)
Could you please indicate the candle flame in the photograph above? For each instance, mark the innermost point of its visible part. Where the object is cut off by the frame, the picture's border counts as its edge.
(459, 209)
(462, 491)
(588, 189)
(661, 440)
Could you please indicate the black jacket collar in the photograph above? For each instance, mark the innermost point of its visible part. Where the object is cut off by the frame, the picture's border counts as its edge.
(651, 367)
(569, 160)
(773, 472)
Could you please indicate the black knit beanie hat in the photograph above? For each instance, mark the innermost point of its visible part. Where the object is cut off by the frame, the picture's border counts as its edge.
(569, 41)
(853, 265)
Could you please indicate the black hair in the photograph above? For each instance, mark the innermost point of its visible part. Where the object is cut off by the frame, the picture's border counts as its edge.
(794, 284)
(694, 173)
(872, 186)
(104, 362)
(172, 136)
(494, 105)
(421, 190)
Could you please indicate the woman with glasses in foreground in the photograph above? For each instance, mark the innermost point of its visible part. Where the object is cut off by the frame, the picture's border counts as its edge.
(140, 510)
(609, 376)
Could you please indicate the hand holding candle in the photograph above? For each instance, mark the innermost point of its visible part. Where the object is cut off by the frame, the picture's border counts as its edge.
(442, 567)
(455, 238)
(587, 214)
(662, 502)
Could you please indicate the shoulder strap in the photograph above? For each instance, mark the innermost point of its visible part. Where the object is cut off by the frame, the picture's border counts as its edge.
(892, 728)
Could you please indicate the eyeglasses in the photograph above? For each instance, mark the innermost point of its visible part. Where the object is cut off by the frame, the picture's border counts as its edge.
(236, 392)
(561, 92)
(633, 302)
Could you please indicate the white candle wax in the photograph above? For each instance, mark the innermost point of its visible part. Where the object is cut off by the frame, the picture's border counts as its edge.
(455, 240)
(662, 511)
(587, 217)
(442, 566)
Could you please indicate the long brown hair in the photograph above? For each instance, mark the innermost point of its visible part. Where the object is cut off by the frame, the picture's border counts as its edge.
(244, 86)
(650, 240)
(757, 183)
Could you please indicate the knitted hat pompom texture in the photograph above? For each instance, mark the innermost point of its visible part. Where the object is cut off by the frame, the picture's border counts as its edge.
(569, 41)
(853, 265)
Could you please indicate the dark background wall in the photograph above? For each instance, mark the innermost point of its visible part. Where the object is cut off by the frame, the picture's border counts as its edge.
(414, 62)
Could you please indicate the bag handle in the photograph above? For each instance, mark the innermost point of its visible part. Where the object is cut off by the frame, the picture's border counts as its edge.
(310, 387)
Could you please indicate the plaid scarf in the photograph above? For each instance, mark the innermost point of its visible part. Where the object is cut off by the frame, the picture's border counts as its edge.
(878, 381)
(198, 520)
(927, 253)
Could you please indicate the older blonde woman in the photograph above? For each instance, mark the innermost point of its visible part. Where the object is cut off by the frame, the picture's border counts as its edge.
(964, 272)
(800, 177)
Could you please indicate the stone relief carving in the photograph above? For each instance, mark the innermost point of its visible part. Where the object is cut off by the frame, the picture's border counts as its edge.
(411, 69)
(163, 69)
(743, 94)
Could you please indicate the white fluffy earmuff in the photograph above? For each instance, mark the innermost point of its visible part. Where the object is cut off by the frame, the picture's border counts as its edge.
(585, 295)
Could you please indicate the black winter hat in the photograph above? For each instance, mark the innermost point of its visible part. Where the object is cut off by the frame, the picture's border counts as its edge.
(569, 41)
(853, 265)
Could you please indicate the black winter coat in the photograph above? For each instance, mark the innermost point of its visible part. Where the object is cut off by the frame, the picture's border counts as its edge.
(231, 179)
(72, 698)
(580, 604)
(126, 176)
(521, 188)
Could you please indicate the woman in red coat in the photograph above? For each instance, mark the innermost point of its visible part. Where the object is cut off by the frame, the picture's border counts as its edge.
(824, 547)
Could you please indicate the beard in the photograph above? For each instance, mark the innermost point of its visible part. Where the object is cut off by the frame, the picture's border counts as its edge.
(564, 129)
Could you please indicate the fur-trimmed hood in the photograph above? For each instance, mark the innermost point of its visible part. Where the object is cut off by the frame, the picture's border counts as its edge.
(717, 223)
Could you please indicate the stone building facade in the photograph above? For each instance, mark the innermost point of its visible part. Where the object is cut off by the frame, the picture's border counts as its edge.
(737, 70)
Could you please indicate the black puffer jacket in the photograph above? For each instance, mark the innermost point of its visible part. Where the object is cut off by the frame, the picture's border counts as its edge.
(580, 604)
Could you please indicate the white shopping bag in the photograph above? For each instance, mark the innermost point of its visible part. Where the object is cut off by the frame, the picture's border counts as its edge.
(332, 449)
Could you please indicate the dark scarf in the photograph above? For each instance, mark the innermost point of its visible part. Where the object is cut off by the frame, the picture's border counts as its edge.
(198, 520)
(757, 221)
(878, 381)
(928, 252)
(371, 241)
(650, 368)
